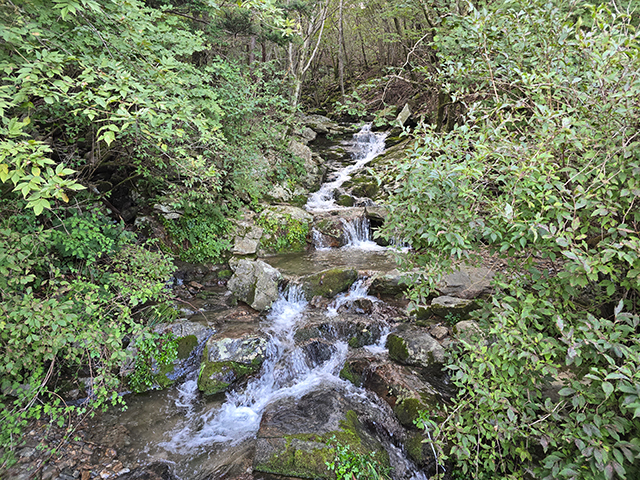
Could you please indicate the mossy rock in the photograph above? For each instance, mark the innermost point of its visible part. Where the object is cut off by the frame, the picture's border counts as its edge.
(397, 348)
(328, 283)
(408, 410)
(224, 274)
(345, 200)
(298, 437)
(347, 373)
(217, 377)
(419, 451)
(186, 346)
(307, 455)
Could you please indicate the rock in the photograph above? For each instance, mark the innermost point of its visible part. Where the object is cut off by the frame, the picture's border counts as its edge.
(307, 135)
(293, 435)
(389, 284)
(376, 214)
(468, 331)
(167, 211)
(319, 123)
(452, 307)
(356, 330)
(285, 229)
(230, 356)
(402, 387)
(404, 115)
(468, 282)
(439, 332)
(246, 243)
(254, 282)
(328, 283)
(155, 471)
(414, 346)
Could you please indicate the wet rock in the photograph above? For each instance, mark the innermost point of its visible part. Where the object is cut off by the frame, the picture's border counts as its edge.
(155, 471)
(189, 335)
(317, 351)
(376, 213)
(468, 282)
(293, 435)
(229, 357)
(328, 283)
(452, 307)
(254, 282)
(357, 330)
(402, 387)
(414, 346)
(390, 284)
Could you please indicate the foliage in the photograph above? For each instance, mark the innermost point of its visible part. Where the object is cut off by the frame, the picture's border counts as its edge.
(349, 464)
(58, 315)
(283, 233)
(154, 353)
(541, 170)
(202, 234)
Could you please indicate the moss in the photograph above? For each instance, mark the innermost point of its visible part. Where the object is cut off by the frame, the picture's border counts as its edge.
(407, 410)
(397, 348)
(216, 377)
(222, 274)
(348, 374)
(186, 346)
(414, 447)
(329, 283)
(306, 455)
(345, 201)
(283, 234)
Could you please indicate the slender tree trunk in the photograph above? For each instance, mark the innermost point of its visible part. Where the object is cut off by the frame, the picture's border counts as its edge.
(341, 49)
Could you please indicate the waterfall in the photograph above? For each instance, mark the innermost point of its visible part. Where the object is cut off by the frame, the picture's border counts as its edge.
(367, 146)
(358, 234)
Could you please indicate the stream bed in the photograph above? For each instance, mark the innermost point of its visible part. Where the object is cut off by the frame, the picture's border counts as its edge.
(300, 395)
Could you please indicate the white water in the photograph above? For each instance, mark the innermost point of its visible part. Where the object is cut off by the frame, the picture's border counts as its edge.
(358, 234)
(368, 145)
(357, 291)
(285, 373)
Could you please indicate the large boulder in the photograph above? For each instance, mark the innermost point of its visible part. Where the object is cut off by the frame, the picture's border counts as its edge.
(297, 436)
(328, 283)
(356, 330)
(403, 388)
(230, 356)
(320, 124)
(254, 282)
(414, 346)
(285, 229)
(390, 284)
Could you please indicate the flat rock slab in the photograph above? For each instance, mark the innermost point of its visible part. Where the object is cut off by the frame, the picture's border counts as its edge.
(328, 283)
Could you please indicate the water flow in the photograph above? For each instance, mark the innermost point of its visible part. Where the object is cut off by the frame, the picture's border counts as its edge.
(285, 373)
(358, 291)
(368, 145)
(358, 235)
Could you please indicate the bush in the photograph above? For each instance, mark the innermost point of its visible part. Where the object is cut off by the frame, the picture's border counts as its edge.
(541, 170)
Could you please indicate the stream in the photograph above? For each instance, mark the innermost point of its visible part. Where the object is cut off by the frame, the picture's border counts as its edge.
(299, 381)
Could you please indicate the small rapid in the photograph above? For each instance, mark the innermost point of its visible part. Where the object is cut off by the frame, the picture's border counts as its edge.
(286, 372)
(367, 146)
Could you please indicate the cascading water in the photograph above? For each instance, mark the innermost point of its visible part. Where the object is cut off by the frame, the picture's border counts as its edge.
(368, 145)
(285, 373)
(358, 235)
